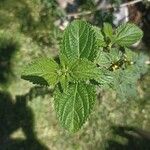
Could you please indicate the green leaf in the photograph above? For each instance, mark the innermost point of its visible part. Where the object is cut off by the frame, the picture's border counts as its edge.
(74, 106)
(105, 79)
(99, 36)
(128, 34)
(78, 41)
(138, 66)
(85, 70)
(125, 80)
(130, 54)
(124, 84)
(65, 64)
(65, 69)
(64, 81)
(42, 71)
(108, 30)
(105, 59)
(137, 63)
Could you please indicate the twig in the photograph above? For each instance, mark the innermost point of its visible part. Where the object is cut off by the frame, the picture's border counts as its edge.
(103, 8)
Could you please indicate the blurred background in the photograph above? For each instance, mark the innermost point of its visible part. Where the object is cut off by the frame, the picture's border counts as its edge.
(33, 28)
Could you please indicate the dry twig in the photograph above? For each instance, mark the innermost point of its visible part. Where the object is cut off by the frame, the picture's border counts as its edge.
(103, 8)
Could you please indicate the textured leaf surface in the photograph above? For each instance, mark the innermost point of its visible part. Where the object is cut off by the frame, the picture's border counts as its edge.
(65, 63)
(105, 79)
(99, 36)
(85, 70)
(105, 59)
(128, 34)
(43, 69)
(125, 81)
(138, 66)
(74, 106)
(108, 30)
(64, 81)
(123, 84)
(78, 41)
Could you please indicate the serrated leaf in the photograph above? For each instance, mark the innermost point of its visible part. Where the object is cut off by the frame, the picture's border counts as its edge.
(125, 81)
(74, 106)
(65, 68)
(64, 81)
(65, 64)
(78, 41)
(128, 34)
(85, 70)
(130, 54)
(105, 59)
(138, 68)
(105, 79)
(108, 30)
(138, 65)
(99, 37)
(124, 84)
(42, 71)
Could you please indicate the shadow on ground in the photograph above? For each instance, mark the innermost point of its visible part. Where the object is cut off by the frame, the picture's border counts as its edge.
(137, 139)
(16, 115)
(8, 47)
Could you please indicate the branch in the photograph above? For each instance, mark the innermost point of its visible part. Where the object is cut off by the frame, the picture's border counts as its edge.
(103, 8)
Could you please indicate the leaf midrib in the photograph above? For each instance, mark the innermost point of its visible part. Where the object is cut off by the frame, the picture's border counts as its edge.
(74, 100)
